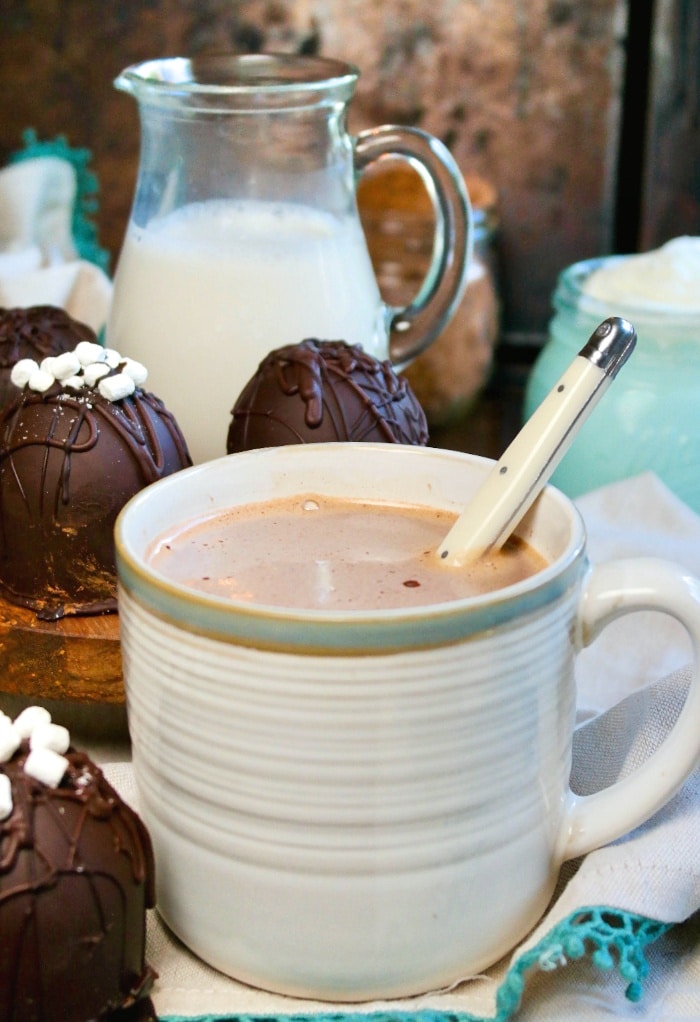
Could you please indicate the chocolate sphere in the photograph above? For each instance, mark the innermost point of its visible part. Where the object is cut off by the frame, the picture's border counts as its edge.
(71, 455)
(76, 878)
(321, 391)
(35, 332)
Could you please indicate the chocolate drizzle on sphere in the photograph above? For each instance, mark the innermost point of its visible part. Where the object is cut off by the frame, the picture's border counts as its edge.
(73, 449)
(76, 877)
(321, 391)
(36, 332)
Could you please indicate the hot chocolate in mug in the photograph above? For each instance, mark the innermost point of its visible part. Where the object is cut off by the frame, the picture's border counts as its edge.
(244, 233)
(361, 804)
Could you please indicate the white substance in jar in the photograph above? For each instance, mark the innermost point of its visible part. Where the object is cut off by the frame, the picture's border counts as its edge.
(667, 278)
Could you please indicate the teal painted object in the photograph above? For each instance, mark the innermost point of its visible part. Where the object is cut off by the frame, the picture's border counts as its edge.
(83, 227)
(649, 420)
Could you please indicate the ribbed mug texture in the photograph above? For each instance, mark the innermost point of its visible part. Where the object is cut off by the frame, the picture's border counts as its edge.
(356, 825)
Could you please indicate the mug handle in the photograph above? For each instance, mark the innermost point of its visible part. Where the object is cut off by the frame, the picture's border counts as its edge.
(614, 589)
(413, 328)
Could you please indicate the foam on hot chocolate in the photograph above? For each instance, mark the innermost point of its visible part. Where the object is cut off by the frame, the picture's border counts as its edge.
(323, 553)
(76, 878)
(81, 437)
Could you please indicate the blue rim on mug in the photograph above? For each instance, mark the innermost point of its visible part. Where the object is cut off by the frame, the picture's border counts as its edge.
(321, 632)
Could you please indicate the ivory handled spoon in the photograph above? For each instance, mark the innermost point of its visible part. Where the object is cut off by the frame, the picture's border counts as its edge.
(517, 478)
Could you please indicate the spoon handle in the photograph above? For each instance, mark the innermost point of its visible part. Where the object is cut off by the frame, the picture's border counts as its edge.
(516, 479)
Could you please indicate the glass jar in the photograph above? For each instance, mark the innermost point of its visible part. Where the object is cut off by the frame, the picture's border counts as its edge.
(649, 420)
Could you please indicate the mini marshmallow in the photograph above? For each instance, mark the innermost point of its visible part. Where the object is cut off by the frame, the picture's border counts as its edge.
(95, 372)
(41, 380)
(116, 387)
(137, 371)
(22, 371)
(74, 382)
(65, 365)
(30, 718)
(50, 736)
(46, 766)
(112, 357)
(47, 364)
(89, 352)
(10, 741)
(5, 796)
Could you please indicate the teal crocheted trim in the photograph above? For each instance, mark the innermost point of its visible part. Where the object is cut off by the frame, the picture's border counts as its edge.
(610, 937)
(82, 226)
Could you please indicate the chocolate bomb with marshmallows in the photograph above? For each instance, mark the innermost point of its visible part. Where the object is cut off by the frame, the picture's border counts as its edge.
(36, 332)
(321, 391)
(80, 439)
(76, 878)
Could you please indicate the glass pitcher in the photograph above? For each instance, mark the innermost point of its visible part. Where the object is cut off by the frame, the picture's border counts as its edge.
(245, 236)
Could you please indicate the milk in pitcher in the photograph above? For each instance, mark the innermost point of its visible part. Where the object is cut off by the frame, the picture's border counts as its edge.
(204, 293)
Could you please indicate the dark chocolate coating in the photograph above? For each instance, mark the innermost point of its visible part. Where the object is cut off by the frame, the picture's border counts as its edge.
(69, 461)
(321, 391)
(36, 332)
(76, 877)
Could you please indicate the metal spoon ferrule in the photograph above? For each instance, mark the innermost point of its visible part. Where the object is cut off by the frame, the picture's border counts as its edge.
(610, 345)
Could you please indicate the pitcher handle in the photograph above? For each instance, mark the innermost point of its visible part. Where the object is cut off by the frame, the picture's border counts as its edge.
(413, 328)
(614, 589)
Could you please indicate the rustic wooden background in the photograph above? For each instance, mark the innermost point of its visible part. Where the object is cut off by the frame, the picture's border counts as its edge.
(528, 93)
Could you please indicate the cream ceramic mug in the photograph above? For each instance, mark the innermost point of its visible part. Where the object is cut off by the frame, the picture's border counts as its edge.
(352, 805)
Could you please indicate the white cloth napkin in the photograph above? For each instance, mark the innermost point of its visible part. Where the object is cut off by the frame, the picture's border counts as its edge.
(39, 264)
(653, 872)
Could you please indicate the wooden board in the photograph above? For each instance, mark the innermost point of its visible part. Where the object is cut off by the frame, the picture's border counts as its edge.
(77, 658)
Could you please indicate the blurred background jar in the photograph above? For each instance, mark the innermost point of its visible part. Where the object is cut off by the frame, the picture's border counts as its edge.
(649, 420)
(397, 218)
